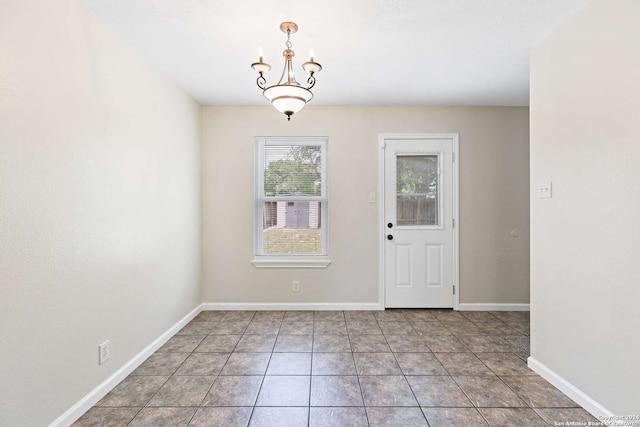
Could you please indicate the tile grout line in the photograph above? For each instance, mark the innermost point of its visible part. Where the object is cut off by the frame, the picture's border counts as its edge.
(313, 337)
(355, 366)
(405, 377)
(212, 383)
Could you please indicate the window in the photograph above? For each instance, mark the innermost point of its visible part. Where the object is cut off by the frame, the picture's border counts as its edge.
(291, 202)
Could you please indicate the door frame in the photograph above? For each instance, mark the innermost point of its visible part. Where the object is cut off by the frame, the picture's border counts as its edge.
(382, 141)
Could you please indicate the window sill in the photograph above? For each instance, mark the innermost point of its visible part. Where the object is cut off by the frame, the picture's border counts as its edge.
(297, 262)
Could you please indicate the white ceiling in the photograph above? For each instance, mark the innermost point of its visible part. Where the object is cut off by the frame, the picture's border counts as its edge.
(400, 52)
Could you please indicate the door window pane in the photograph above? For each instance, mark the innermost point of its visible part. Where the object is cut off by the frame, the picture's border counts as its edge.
(417, 190)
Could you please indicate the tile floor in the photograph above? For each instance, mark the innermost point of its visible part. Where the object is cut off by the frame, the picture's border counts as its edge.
(332, 368)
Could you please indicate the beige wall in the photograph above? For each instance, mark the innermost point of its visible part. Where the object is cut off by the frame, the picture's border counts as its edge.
(99, 206)
(585, 241)
(494, 186)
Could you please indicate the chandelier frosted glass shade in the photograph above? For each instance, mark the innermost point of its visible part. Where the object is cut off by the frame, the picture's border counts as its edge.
(288, 99)
(287, 96)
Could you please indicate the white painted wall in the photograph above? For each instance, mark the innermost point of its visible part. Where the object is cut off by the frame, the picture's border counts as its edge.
(494, 188)
(585, 241)
(99, 206)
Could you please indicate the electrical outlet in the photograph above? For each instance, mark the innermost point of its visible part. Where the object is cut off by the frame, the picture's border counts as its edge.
(544, 190)
(104, 352)
(296, 286)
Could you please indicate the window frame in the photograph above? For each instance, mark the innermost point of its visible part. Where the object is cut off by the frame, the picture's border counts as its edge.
(261, 260)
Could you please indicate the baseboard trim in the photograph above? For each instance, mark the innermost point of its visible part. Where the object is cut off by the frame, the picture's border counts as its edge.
(291, 306)
(231, 306)
(493, 307)
(84, 404)
(581, 398)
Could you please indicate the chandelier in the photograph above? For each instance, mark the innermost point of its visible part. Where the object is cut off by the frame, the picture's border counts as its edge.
(287, 96)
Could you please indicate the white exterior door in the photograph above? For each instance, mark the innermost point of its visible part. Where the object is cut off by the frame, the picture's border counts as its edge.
(420, 205)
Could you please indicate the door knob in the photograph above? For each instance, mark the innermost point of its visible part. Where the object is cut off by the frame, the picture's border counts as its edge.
(390, 225)
(389, 237)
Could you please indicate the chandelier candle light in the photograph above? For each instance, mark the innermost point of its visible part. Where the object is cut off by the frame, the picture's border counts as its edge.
(287, 96)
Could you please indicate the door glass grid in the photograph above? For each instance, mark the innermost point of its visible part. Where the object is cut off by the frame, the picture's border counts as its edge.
(417, 188)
